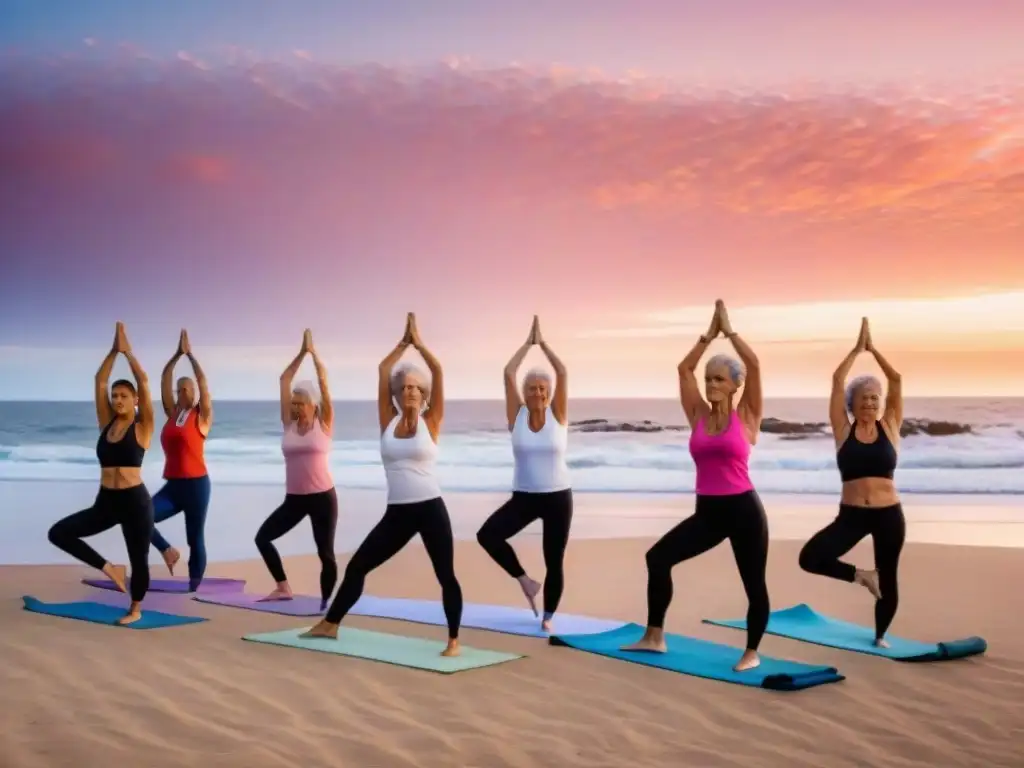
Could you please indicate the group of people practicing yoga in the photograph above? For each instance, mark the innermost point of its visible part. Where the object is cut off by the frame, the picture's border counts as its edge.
(410, 405)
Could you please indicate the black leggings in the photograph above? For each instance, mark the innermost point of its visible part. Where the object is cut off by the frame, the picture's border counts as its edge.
(888, 530)
(322, 511)
(132, 509)
(739, 518)
(555, 511)
(400, 523)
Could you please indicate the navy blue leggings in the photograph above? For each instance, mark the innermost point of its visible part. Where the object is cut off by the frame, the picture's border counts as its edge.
(192, 497)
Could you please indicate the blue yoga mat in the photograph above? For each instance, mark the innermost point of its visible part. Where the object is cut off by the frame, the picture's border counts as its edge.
(496, 618)
(702, 658)
(801, 622)
(99, 613)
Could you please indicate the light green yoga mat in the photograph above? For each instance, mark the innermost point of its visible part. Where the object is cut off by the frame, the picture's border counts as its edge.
(391, 649)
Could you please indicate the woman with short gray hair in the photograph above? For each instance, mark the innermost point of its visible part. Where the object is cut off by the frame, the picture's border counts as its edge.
(728, 507)
(866, 454)
(307, 416)
(538, 421)
(410, 412)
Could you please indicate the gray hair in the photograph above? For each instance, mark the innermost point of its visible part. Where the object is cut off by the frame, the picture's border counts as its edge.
(398, 376)
(855, 385)
(737, 371)
(541, 374)
(308, 390)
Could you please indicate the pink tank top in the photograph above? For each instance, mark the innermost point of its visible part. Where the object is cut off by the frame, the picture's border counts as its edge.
(721, 459)
(306, 468)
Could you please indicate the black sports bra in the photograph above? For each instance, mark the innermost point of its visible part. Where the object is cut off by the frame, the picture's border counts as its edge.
(857, 460)
(126, 452)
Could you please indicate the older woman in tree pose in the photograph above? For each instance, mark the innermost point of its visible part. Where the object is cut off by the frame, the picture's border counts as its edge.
(408, 448)
(540, 488)
(187, 486)
(308, 419)
(866, 454)
(728, 507)
(122, 499)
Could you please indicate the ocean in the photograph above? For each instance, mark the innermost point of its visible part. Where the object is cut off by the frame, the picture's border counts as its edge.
(622, 446)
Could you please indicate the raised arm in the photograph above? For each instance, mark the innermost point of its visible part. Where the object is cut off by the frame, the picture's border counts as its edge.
(837, 412)
(894, 387)
(750, 408)
(167, 383)
(386, 409)
(326, 407)
(434, 414)
(560, 401)
(205, 401)
(513, 400)
(104, 410)
(146, 415)
(286, 383)
(693, 402)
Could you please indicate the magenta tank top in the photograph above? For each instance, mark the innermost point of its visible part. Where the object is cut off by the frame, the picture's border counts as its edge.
(722, 460)
(306, 466)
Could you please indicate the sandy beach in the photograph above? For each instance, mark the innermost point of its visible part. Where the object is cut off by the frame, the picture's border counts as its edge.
(81, 694)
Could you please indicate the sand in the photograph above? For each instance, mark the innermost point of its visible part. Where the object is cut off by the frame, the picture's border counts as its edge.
(79, 694)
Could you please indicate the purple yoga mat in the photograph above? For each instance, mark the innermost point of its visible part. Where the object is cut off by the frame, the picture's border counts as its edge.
(179, 586)
(166, 602)
(300, 605)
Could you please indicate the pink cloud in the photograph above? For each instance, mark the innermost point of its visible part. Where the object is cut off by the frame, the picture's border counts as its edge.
(518, 134)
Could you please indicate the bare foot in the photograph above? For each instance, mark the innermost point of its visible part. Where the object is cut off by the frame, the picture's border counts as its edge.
(881, 642)
(653, 641)
(869, 580)
(171, 558)
(282, 592)
(452, 649)
(749, 660)
(117, 574)
(134, 614)
(322, 629)
(546, 626)
(531, 589)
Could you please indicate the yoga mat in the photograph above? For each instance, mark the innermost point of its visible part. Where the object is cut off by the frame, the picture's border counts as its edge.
(801, 622)
(702, 658)
(99, 613)
(391, 649)
(176, 585)
(168, 602)
(300, 605)
(496, 618)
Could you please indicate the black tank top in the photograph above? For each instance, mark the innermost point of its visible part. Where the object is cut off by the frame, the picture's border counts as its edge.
(857, 460)
(126, 452)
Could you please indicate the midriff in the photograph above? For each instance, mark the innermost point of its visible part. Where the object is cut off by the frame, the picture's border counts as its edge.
(870, 492)
(119, 478)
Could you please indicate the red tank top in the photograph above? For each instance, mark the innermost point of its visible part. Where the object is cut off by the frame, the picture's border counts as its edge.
(183, 447)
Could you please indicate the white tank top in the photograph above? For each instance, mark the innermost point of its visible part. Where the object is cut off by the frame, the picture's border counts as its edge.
(409, 464)
(540, 456)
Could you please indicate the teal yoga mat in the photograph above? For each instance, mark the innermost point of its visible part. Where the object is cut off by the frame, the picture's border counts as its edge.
(801, 622)
(702, 658)
(413, 652)
(99, 613)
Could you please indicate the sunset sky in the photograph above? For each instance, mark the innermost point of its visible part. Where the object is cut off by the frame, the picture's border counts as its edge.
(248, 169)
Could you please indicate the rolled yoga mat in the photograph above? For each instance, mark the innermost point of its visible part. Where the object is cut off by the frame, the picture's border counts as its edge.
(413, 652)
(801, 622)
(300, 605)
(177, 585)
(495, 618)
(702, 658)
(100, 613)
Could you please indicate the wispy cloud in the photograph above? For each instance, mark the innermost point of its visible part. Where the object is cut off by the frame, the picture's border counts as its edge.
(998, 316)
(935, 159)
